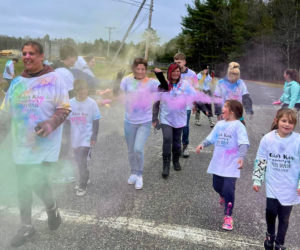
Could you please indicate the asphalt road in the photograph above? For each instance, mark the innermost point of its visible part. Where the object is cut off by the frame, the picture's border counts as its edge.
(181, 212)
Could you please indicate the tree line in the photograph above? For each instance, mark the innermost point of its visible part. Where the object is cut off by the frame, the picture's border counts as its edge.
(262, 35)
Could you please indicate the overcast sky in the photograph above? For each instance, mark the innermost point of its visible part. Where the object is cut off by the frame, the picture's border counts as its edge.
(86, 20)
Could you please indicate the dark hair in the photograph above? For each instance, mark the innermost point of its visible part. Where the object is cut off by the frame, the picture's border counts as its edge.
(237, 108)
(35, 44)
(15, 59)
(138, 61)
(80, 83)
(89, 57)
(293, 73)
(291, 114)
(179, 56)
(67, 51)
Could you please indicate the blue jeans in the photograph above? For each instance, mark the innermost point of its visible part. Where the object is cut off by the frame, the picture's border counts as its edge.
(186, 129)
(136, 136)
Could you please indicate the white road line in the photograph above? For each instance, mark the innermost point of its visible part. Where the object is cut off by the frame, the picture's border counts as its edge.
(174, 232)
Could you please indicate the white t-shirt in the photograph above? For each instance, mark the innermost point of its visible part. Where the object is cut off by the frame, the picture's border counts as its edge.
(173, 104)
(207, 81)
(283, 166)
(9, 70)
(67, 77)
(140, 96)
(30, 101)
(81, 118)
(227, 136)
(80, 63)
(191, 77)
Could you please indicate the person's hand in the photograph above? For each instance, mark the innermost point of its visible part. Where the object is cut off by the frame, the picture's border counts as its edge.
(157, 70)
(298, 191)
(154, 123)
(93, 143)
(199, 148)
(102, 92)
(43, 129)
(207, 113)
(241, 163)
(257, 188)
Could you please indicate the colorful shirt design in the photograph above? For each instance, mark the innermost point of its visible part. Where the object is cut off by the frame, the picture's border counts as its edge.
(30, 101)
(140, 96)
(173, 104)
(231, 91)
(226, 137)
(191, 77)
(206, 83)
(81, 118)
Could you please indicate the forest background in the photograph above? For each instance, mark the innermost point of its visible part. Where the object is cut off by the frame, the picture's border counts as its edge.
(263, 36)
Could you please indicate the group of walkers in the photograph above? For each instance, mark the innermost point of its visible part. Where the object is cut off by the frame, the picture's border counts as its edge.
(38, 104)
(278, 157)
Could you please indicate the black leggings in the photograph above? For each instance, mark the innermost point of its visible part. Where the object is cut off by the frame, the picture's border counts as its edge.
(171, 139)
(225, 187)
(274, 209)
(33, 178)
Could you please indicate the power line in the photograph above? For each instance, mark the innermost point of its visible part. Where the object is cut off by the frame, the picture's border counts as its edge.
(140, 23)
(132, 3)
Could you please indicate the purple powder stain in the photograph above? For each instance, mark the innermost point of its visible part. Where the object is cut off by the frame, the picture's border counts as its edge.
(231, 151)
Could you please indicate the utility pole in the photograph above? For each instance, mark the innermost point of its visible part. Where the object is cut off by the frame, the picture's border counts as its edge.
(109, 35)
(127, 32)
(148, 31)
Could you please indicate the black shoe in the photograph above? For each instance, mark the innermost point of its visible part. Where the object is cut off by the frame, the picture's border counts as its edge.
(279, 247)
(176, 166)
(54, 219)
(176, 163)
(24, 233)
(166, 166)
(269, 241)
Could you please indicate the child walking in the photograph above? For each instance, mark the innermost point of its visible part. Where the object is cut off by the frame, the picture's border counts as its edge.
(278, 162)
(84, 121)
(231, 143)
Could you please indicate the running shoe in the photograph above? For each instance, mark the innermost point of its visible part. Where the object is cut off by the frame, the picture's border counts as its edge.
(24, 234)
(139, 182)
(132, 179)
(228, 223)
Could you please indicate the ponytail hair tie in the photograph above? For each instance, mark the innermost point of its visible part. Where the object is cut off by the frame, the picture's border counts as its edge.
(242, 118)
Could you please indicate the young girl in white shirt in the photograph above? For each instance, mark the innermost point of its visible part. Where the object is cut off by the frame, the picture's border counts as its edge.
(230, 139)
(278, 162)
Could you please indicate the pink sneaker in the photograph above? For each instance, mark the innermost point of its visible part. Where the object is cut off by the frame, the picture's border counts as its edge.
(222, 201)
(228, 223)
(278, 102)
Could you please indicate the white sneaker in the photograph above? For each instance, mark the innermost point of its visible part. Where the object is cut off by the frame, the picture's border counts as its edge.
(132, 179)
(80, 192)
(186, 153)
(139, 182)
(77, 184)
